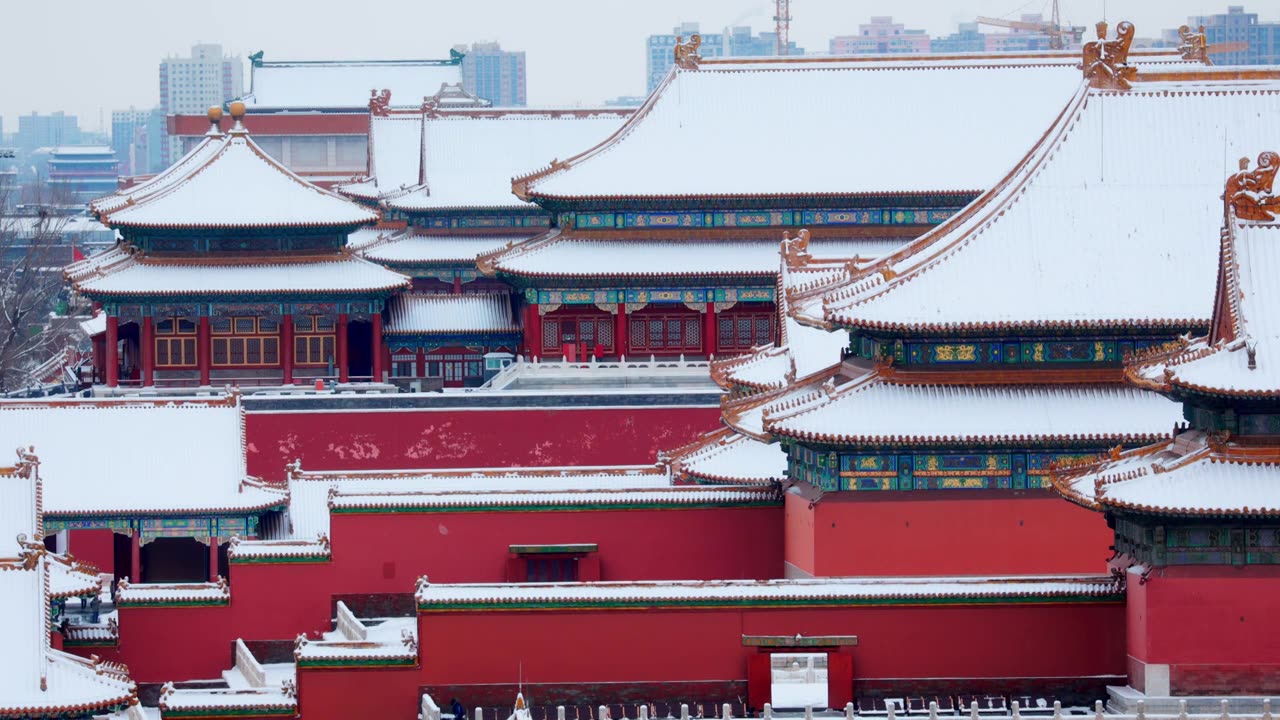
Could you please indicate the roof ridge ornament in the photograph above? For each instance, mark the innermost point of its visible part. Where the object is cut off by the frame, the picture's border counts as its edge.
(1193, 46)
(215, 122)
(237, 110)
(380, 102)
(1106, 62)
(686, 53)
(795, 249)
(1249, 192)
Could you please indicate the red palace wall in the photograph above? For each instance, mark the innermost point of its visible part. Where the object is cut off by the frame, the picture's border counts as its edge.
(661, 645)
(454, 438)
(942, 532)
(1215, 627)
(387, 552)
(798, 536)
(96, 547)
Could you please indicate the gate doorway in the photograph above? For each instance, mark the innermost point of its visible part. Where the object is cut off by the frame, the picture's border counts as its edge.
(798, 680)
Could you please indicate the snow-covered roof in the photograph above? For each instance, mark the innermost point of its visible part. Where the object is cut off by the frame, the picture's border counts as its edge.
(691, 496)
(1192, 475)
(95, 325)
(817, 116)
(164, 594)
(727, 457)
(395, 151)
(420, 313)
(1246, 361)
(123, 272)
(1067, 240)
(410, 248)
(469, 158)
(170, 176)
(232, 183)
(37, 680)
(873, 411)
(388, 641)
(201, 471)
(344, 84)
(309, 491)
(826, 591)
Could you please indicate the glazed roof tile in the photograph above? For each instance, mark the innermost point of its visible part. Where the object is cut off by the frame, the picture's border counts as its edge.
(189, 163)
(852, 590)
(133, 274)
(542, 498)
(395, 151)
(421, 314)
(1056, 245)
(201, 471)
(165, 593)
(877, 412)
(726, 457)
(714, 112)
(235, 185)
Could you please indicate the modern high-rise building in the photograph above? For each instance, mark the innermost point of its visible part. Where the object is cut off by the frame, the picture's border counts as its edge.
(879, 37)
(733, 42)
(1236, 25)
(968, 38)
(189, 85)
(36, 130)
(126, 126)
(494, 74)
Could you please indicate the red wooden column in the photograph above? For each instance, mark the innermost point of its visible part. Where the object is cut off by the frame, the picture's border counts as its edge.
(620, 331)
(213, 559)
(377, 347)
(343, 374)
(113, 351)
(457, 284)
(709, 329)
(204, 349)
(286, 349)
(533, 331)
(135, 557)
(148, 351)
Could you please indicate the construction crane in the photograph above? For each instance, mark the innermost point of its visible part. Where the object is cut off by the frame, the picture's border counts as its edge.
(782, 25)
(1053, 28)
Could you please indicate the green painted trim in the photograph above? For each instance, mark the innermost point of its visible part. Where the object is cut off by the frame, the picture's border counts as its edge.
(554, 549)
(173, 603)
(559, 507)
(799, 641)
(716, 603)
(325, 663)
(90, 643)
(280, 560)
(261, 711)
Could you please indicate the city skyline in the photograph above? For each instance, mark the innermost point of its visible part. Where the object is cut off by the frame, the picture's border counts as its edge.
(134, 46)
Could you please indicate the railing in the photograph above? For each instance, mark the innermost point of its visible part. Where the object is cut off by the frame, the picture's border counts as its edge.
(349, 626)
(641, 711)
(249, 666)
(651, 367)
(429, 709)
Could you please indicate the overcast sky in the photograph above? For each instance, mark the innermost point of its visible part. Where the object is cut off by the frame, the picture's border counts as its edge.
(89, 57)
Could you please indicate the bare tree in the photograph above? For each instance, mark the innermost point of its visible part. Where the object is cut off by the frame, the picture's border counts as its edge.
(31, 255)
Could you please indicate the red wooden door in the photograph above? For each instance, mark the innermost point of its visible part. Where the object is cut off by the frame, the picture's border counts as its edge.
(759, 681)
(839, 680)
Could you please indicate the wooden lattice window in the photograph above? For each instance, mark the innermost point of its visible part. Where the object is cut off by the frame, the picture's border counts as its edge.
(742, 331)
(667, 333)
(587, 331)
(245, 342)
(175, 343)
(315, 340)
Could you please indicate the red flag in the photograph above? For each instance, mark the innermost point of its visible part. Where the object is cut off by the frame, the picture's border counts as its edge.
(76, 255)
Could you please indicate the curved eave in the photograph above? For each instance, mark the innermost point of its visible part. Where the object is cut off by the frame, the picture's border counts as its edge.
(964, 440)
(480, 209)
(347, 225)
(503, 270)
(824, 197)
(846, 323)
(382, 290)
(50, 711)
(278, 504)
(1156, 510)
(512, 330)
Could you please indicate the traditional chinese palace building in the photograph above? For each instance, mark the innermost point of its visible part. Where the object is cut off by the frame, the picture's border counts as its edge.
(926, 349)
(232, 269)
(1197, 517)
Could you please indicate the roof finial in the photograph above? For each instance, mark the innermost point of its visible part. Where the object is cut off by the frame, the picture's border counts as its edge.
(1106, 62)
(215, 120)
(686, 53)
(237, 113)
(1250, 192)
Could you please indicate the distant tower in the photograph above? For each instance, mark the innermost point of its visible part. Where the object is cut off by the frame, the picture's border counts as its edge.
(782, 24)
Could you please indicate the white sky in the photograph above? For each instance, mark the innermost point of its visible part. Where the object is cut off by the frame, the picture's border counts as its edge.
(89, 57)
